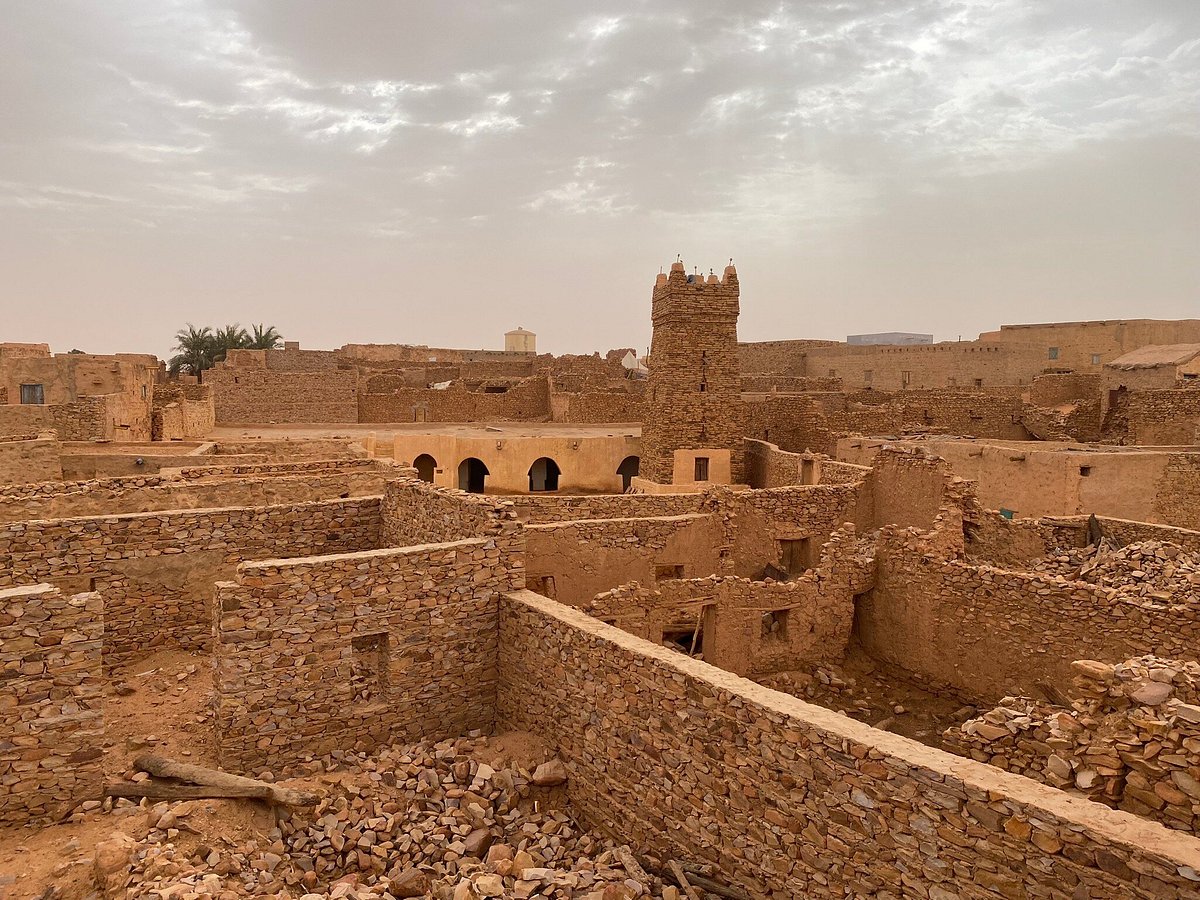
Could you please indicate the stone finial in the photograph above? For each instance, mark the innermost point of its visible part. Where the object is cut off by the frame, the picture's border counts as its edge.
(677, 267)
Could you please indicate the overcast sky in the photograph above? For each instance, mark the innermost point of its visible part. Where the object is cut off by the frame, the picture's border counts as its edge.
(439, 173)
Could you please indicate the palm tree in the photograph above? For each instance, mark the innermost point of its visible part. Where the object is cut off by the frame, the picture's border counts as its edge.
(194, 348)
(263, 338)
(231, 337)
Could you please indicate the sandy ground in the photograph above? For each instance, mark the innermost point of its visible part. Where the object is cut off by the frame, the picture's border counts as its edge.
(167, 712)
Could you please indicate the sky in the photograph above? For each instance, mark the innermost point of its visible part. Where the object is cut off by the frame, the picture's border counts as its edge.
(439, 173)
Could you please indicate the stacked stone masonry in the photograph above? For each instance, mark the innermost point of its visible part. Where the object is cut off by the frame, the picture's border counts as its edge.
(51, 719)
(790, 800)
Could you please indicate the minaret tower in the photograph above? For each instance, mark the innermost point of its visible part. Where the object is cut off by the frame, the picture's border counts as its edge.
(693, 426)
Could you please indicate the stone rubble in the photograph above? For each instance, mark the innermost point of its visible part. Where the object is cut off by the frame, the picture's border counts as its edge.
(1155, 570)
(1130, 740)
(423, 820)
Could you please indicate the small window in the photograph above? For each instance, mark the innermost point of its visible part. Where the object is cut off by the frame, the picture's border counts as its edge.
(978, 382)
(905, 378)
(1095, 359)
(369, 669)
(701, 468)
(1054, 353)
(775, 625)
(867, 375)
(833, 373)
(662, 573)
(703, 387)
(144, 389)
(1085, 471)
(33, 394)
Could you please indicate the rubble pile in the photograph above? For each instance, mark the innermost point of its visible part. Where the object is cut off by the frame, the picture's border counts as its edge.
(1130, 739)
(1154, 570)
(425, 820)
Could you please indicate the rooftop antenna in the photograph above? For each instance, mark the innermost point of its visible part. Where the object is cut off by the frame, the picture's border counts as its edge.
(678, 257)
(731, 260)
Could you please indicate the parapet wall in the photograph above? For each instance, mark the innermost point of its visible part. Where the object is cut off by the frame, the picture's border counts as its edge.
(51, 693)
(356, 651)
(1164, 417)
(789, 800)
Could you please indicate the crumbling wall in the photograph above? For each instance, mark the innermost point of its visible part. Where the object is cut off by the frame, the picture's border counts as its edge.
(156, 570)
(585, 557)
(526, 401)
(182, 412)
(758, 521)
(786, 799)
(1129, 739)
(356, 651)
(992, 632)
(51, 693)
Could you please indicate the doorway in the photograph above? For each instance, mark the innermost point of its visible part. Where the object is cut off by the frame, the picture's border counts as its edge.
(472, 475)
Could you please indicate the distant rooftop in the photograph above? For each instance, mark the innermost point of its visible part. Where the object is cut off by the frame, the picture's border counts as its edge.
(890, 337)
(1154, 355)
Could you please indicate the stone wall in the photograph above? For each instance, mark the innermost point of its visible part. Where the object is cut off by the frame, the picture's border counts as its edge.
(759, 522)
(169, 490)
(991, 632)
(585, 557)
(30, 458)
(537, 510)
(357, 651)
(1177, 498)
(1164, 417)
(244, 395)
(1063, 387)
(526, 401)
(790, 800)
(51, 694)
(182, 412)
(601, 407)
(156, 570)
(416, 512)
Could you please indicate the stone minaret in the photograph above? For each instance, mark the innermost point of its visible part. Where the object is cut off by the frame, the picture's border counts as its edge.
(694, 389)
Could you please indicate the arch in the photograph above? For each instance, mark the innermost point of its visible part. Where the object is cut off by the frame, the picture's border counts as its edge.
(629, 467)
(425, 466)
(543, 475)
(472, 475)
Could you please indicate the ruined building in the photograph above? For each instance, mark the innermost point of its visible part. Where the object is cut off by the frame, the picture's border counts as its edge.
(692, 430)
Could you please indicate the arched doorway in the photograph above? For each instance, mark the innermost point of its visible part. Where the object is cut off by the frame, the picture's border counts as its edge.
(628, 469)
(543, 475)
(472, 474)
(425, 466)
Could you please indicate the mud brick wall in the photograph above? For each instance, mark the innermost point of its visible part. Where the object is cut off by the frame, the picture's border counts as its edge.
(51, 693)
(30, 459)
(357, 651)
(182, 412)
(990, 632)
(1164, 417)
(257, 395)
(790, 800)
(536, 510)
(416, 512)
(156, 570)
(589, 556)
